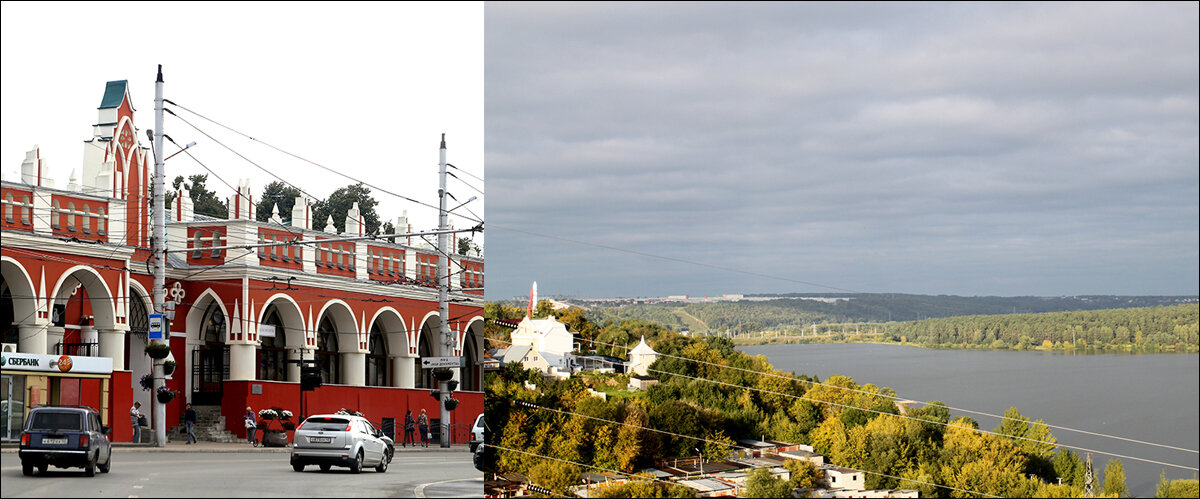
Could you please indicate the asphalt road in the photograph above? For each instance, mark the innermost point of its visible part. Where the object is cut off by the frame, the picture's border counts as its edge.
(142, 473)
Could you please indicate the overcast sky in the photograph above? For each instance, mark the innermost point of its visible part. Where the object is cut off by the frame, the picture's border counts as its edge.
(971, 149)
(365, 89)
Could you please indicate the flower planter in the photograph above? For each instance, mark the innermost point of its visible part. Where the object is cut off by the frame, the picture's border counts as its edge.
(158, 350)
(165, 397)
(275, 438)
(168, 368)
(443, 374)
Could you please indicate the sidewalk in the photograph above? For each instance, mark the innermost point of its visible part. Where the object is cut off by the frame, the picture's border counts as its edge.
(234, 447)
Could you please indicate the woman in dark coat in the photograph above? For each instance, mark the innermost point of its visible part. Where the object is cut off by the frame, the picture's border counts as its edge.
(409, 426)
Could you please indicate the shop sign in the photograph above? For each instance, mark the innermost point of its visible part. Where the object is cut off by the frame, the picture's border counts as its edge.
(56, 363)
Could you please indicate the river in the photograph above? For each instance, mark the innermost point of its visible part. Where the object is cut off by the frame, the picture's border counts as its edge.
(1153, 397)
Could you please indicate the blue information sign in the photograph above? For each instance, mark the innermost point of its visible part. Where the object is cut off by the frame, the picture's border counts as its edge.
(156, 326)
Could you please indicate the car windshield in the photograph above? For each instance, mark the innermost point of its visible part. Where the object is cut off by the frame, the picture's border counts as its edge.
(326, 424)
(46, 420)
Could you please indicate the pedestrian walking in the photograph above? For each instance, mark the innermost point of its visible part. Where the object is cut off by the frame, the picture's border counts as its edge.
(135, 420)
(409, 426)
(189, 420)
(423, 424)
(251, 425)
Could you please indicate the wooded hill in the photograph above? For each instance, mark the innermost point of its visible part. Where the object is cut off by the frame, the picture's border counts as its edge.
(797, 313)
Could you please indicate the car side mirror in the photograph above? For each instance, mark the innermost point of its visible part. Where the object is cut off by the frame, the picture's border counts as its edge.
(105, 430)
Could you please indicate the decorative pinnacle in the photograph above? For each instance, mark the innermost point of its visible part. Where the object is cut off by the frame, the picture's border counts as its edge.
(443, 141)
(159, 80)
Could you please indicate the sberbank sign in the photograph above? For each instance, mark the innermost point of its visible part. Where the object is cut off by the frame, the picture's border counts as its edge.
(20, 362)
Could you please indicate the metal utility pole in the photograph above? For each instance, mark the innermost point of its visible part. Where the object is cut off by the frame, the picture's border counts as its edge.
(158, 243)
(1089, 487)
(443, 272)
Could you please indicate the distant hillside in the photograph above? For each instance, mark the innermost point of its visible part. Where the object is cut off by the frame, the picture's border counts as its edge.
(794, 312)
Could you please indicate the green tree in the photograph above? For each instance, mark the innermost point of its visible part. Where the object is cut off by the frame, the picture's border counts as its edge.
(340, 202)
(276, 193)
(204, 201)
(762, 483)
(557, 476)
(804, 474)
(1177, 488)
(644, 488)
(1069, 467)
(1114, 479)
(465, 244)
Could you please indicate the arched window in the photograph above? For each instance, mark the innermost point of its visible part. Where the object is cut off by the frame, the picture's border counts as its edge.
(272, 355)
(87, 219)
(71, 220)
(213, 325)
(327, 352)
(8, 208)
(26, 210)
(102, 229)
(377, 361)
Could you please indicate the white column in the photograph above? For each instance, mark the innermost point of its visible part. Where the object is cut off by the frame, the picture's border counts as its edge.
(293, 369)
(241, 361)
(32, 339)
(112, 344)
(402, 372)
(354, 368)
(54, 336)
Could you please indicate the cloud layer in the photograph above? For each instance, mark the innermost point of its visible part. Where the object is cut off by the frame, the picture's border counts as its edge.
(972, 149)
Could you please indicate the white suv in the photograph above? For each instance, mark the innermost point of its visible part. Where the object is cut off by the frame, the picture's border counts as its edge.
(476, 433)
(336, 439)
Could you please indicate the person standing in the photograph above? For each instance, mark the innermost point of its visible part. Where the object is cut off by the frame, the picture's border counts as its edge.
(135, 420)
(409, 426)
(189, 420)
(251, 425)
(423, 425)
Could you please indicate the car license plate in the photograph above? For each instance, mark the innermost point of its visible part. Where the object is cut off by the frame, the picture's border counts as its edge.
(54, 441)
(320, 440)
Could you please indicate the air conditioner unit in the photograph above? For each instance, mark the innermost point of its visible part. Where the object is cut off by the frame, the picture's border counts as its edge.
(10, 347)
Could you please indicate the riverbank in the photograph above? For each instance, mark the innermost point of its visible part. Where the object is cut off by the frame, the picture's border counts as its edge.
(879, 339)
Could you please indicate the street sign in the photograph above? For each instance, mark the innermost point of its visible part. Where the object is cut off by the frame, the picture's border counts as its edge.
(436, 362)
(156, 326)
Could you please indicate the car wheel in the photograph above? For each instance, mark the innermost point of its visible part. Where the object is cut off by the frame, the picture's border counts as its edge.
(42, 468)
(90, 469)
(325, 467)
(104, 467)
(27, 469)
(297, 467)
(383, 464)
(356, 466)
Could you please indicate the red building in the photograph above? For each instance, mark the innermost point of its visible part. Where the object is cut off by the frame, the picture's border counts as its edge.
(76, 283)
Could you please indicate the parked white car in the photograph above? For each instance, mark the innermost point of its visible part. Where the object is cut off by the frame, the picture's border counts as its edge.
(476, 433)
(328, 440)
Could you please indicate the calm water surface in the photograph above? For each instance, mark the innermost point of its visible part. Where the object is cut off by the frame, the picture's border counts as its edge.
(1154, 398)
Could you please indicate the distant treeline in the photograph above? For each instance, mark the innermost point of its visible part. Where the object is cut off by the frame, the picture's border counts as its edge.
(1150, 328)
(792, 314)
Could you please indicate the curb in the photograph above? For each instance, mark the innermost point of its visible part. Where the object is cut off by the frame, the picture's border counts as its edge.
(121, 447)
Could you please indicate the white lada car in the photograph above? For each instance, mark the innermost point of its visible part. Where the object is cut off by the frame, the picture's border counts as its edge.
(339, 440)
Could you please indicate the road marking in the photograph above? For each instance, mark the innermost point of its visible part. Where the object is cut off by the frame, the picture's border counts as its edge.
(420, 490)
(137, 486)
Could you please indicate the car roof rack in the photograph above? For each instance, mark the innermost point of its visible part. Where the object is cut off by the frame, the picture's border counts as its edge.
(88, 407)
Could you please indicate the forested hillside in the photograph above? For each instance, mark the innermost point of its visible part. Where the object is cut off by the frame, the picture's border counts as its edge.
(794, 313)
(561, 430)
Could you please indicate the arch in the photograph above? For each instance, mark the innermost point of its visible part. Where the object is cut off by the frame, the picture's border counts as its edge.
(195, 315)
(271, 353)
(394, 328)
(293, 320)
(20, 286)
(472, 350)
(103, 311)
(427, 346)
(342, 316)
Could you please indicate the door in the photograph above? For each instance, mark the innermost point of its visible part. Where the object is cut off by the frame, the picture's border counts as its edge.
(210, 366)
